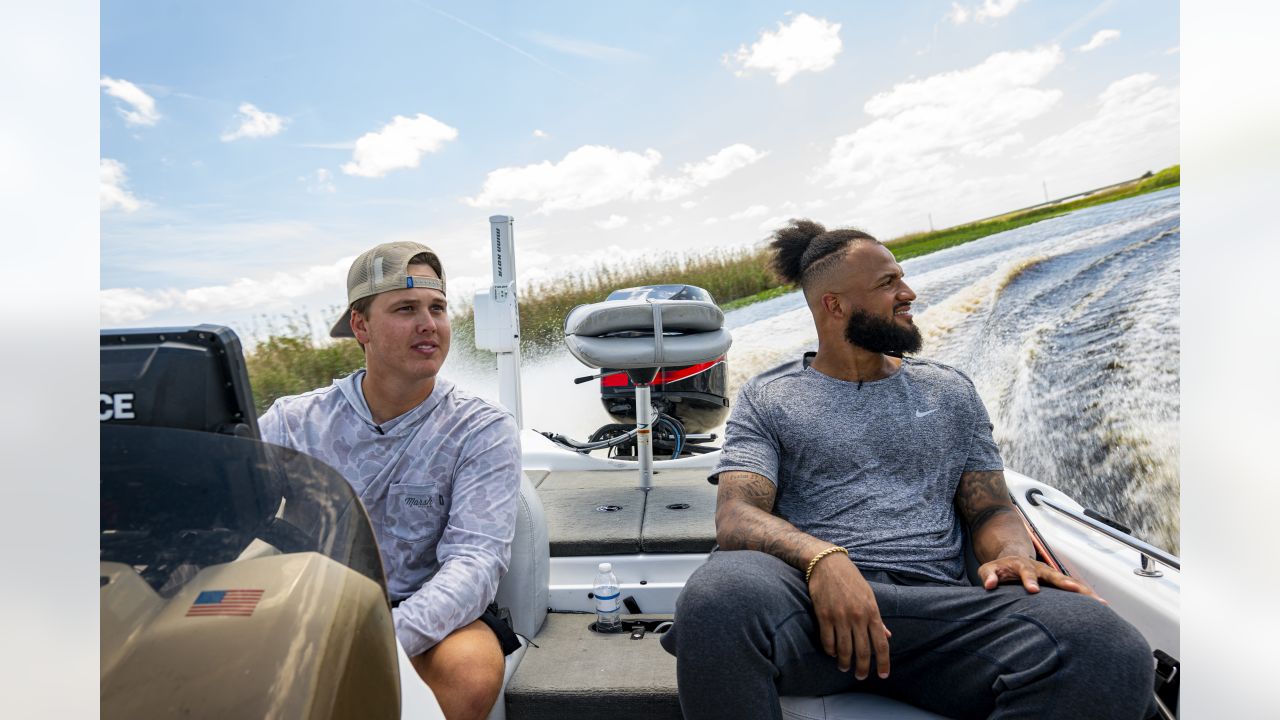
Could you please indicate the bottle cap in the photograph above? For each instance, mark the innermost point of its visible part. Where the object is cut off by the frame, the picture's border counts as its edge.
(606, 567)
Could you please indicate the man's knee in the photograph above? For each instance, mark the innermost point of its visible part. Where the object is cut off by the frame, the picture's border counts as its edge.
(464, 670)
(1103, 650)
(732, 586)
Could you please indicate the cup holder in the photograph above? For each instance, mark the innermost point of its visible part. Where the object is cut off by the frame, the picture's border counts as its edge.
(631, 627)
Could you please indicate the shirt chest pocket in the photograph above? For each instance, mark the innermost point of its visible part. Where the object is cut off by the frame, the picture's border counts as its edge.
(414, 512)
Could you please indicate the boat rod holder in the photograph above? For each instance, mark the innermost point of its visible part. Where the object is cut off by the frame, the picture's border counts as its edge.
(1149, 552)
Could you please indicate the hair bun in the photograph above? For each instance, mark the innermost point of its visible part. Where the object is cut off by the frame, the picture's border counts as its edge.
(789, 245)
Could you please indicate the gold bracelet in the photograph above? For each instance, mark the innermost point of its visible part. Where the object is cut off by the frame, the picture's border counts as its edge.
(814, 562)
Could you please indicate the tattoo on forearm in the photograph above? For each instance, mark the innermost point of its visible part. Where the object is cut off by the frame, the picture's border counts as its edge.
(979, 492)
(745, 520)
(983, 501)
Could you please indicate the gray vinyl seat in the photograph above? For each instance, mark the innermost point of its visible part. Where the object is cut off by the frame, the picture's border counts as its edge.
(523, 590)
(646, 333)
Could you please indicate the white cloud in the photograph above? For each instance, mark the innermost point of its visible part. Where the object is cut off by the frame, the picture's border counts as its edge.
(1100, 38)
(398, 145)
(995, 9)
(924, 131)
(807, 44)
(988, 10)
(112, 187)
(722, 164)
(123, 306)
(1173, 50)
(1137, 119)
(593, 175)
(254, 123)
(143, 106)
(321, 182)
(753, 211)
(689, 204)
(711, 221)
(920, 128)
(539, 134)
(613, 222)
(586, 177)
(120, 306)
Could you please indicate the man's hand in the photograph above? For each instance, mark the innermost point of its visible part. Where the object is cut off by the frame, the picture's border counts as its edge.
(848, 616)
(998, 533)
(1031, 573)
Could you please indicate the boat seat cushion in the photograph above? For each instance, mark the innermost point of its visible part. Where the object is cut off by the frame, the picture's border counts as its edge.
(625, 353)
(524, 588)
(615, 316)
(626, 334)
(851, 706)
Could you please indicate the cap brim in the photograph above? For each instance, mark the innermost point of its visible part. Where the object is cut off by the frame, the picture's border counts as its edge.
(342, 328)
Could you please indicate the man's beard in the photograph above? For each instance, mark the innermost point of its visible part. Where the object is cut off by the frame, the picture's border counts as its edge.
(882, 336)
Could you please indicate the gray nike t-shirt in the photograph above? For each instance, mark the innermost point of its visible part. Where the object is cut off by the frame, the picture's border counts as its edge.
(871, 468)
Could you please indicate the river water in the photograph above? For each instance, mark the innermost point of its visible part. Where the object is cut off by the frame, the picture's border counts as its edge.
(1069, 328)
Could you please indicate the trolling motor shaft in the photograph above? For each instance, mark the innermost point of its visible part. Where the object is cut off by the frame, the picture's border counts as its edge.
(641, 378)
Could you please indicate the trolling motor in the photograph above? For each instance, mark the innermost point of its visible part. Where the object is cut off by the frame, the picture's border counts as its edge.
(634, 335)
(640, 336)
(687, 400)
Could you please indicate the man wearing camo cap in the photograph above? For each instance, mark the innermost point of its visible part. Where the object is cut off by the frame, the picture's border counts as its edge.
(437, 468)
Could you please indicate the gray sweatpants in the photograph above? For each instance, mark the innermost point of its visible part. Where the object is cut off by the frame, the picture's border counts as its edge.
(745, 633)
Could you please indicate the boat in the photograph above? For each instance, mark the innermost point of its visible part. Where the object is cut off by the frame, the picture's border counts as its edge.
(201, 520)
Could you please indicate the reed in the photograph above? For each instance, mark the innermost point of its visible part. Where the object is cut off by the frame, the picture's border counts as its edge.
(290, 361)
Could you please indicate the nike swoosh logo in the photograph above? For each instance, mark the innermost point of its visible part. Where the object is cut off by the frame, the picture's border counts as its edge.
(926, 412)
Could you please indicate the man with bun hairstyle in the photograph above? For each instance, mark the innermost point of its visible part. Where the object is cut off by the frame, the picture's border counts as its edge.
(438, 471)
(848, 482)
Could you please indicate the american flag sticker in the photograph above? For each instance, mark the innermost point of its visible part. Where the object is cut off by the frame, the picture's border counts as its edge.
(225, 602)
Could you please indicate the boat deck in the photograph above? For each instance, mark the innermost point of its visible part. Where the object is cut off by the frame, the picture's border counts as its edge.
(573, 671)
(605, 513)
(577, 673)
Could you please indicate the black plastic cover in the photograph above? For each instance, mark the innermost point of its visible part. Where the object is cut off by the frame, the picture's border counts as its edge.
(191, 378)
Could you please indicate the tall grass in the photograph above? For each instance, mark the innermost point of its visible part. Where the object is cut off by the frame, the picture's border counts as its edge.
(726, 274)
(289, 361)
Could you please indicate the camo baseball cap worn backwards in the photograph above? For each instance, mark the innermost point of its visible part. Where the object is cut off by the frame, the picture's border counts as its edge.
(385, 267)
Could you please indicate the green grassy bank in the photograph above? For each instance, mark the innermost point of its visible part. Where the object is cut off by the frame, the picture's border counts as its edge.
(290, 362)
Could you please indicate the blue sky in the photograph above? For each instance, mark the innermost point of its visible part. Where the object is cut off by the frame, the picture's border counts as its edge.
(250, 150)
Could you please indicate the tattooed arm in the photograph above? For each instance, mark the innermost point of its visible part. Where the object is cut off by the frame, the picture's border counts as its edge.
(1000, 542)
(994, 526)
(848, 617)
(745, 521)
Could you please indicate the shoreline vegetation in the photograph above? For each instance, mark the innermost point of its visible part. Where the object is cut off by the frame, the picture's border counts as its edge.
(289, 361)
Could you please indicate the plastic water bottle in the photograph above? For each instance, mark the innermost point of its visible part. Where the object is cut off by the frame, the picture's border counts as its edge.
(608, 599)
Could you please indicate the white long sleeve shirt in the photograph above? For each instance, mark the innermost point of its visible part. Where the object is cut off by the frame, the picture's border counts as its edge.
(439, 483)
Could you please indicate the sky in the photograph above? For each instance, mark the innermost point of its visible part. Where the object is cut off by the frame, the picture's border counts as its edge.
(250, 150)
